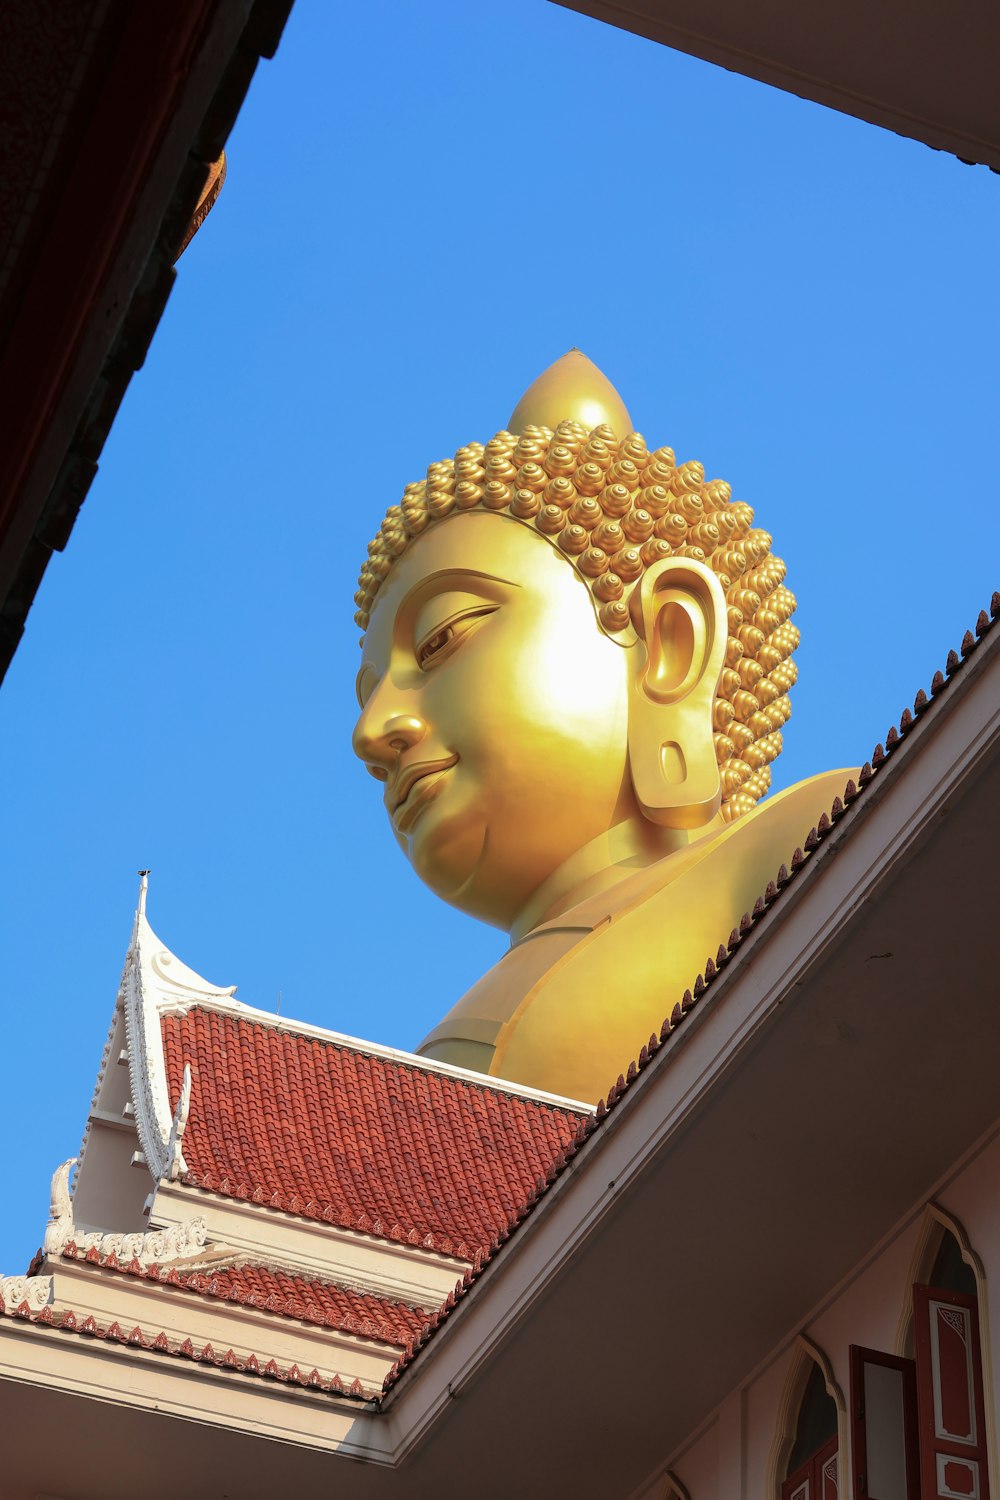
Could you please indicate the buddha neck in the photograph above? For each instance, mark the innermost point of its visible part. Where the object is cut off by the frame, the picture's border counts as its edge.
(631, 845)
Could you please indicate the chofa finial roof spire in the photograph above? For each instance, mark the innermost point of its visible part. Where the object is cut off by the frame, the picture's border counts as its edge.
(572, 388)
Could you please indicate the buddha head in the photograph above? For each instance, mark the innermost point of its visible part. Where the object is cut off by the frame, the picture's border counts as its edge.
(567, 637)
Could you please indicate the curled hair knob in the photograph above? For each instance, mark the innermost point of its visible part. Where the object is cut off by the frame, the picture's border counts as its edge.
(496, 494)
(627, 564)
(616, 500)
(638, 525)
(608, 535)
(467, 494)
(585, 512)
(594, 562)
(574, 540)
(560, 459)
(550, 519)
(589, 479)
(615, 615)
(655, 550)
(608, 588)
(531, 476)
(525, 504)
(560, 491)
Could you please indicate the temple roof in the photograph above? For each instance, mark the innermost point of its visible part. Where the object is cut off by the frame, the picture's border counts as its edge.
(252, 1106)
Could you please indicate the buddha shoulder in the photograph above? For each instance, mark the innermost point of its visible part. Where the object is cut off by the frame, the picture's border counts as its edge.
(569, 1006)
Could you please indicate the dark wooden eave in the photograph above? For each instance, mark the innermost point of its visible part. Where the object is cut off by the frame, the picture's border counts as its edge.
(917, 67)
(110, 114)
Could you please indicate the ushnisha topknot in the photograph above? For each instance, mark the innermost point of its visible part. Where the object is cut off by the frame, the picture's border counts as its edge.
(613, 509)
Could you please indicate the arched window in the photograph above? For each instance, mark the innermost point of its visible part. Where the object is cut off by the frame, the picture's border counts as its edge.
(812, 1472)
(949, 1369)
(942, 1257)
(918, 1423)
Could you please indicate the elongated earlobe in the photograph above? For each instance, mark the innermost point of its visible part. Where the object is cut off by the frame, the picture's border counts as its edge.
(679, 613)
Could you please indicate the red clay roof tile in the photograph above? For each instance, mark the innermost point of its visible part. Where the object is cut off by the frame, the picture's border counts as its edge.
(329, 1131)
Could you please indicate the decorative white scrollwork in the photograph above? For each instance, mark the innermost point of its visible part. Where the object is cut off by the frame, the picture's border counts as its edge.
(148, 1073)
(60, 1202)
(160, 1246)
(60, 1226)
(36, 1291)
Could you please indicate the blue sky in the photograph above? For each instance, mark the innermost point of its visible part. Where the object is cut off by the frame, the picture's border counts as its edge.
(426, 205)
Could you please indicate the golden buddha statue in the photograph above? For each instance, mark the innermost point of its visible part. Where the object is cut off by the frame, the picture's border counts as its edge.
(575, 672)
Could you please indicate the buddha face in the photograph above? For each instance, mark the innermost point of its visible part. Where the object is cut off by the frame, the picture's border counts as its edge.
(495, 712)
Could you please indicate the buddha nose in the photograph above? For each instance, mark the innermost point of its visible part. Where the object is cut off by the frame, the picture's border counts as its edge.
(380, 744)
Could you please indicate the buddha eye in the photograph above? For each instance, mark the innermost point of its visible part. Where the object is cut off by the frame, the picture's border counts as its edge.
(428, 649)
(442, 641)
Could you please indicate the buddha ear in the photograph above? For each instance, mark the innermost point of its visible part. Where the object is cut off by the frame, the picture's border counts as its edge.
(679, 613)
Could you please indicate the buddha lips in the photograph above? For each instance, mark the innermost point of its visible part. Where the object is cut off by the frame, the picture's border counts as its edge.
(613, 509)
